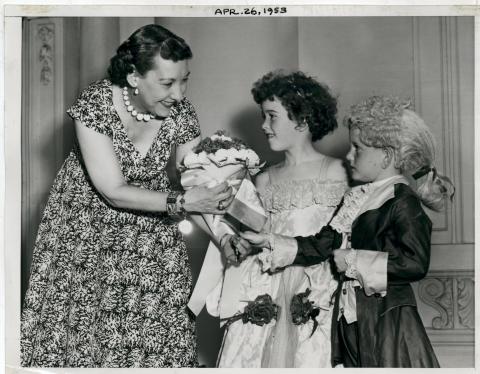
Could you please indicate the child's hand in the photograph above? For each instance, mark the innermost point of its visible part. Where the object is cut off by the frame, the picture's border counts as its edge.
(236, 249)
(339, 258)
(256, 239)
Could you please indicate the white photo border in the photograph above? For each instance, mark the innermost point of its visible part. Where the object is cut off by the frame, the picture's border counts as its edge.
(10, 128)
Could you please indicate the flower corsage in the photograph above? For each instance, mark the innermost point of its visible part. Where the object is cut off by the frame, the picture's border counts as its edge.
(302, 310)
(260, 312)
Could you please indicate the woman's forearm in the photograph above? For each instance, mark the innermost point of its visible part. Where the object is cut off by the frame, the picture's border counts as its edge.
(132, 197)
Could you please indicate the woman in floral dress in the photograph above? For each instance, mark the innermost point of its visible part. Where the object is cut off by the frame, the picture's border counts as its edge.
(299, 194)
(110, 277)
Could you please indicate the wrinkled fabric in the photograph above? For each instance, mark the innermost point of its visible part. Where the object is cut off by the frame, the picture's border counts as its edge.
(281, 343)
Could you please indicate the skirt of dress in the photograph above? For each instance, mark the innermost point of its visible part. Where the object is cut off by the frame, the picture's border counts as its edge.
(108, 287)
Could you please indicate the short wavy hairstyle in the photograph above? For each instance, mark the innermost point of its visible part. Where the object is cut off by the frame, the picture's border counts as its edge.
(306, 101)
(388, 122)
(139, 50)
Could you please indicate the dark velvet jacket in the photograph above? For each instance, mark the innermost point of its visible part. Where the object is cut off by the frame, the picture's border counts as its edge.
(400, 227)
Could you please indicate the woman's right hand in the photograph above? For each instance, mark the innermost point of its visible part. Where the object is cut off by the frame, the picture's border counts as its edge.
(213, 200)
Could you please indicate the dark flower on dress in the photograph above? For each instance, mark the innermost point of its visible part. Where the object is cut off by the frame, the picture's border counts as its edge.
(302, 310)
(260, 312)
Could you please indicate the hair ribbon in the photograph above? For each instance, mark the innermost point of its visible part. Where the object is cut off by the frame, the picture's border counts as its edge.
(424, 171)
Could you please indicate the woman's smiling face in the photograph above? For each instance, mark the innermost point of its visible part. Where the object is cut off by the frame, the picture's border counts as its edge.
(163, 86)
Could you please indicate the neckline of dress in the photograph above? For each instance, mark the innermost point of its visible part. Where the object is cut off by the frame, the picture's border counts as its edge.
(124, 130)
(323, 162)
(304, 181)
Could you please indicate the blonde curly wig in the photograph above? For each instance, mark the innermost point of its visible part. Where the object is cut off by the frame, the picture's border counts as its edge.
(388, 122)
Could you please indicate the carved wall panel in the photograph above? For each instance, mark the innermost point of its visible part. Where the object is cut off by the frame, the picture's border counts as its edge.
(46, 33)
(446, 303)
(447, 300)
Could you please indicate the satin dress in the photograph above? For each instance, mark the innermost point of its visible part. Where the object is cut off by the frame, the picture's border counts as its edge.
(294, 207)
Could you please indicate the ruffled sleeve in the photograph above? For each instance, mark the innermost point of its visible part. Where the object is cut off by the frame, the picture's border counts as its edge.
(188, 127)
(93, 108)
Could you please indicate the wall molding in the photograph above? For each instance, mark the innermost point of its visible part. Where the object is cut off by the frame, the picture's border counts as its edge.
(436, 76)
(451, 338)
(450, 115)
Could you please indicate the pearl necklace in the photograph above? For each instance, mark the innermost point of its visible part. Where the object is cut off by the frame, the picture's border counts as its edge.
(138, 116)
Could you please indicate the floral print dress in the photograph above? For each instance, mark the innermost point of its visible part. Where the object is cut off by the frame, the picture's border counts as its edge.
(109, 287)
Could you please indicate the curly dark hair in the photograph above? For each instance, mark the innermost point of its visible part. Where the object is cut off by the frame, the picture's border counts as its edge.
(139, 50)
(305, 99)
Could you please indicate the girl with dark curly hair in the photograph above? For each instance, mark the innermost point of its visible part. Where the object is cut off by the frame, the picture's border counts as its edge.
(299, 194)
(110, 277)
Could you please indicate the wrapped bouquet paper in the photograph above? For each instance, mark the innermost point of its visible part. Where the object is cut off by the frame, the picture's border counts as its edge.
(216, 159)
(246, 209)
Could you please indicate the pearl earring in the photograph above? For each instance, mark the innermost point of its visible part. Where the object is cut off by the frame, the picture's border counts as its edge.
(135, 92)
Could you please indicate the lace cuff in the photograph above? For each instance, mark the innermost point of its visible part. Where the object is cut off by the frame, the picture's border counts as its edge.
(351, 261)
(283, 252)
(372, 271)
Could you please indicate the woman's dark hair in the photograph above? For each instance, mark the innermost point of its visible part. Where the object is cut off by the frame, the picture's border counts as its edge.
(139, 50)
(306, 101)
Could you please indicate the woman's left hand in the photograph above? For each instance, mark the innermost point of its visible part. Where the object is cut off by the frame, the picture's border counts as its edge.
(339, 258)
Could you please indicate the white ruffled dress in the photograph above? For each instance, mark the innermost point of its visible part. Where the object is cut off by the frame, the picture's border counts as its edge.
(295, 208)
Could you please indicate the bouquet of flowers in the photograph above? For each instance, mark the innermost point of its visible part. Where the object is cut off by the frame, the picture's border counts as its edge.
(218, 158)
(221, 158)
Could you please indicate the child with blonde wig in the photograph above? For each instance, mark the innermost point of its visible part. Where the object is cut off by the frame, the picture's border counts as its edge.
(379, 238)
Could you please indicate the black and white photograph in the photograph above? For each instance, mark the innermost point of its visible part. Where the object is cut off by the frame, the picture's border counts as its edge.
(227, 186)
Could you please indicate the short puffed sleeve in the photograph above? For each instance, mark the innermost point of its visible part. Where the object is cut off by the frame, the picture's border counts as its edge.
(187, 127)
(94, 106)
